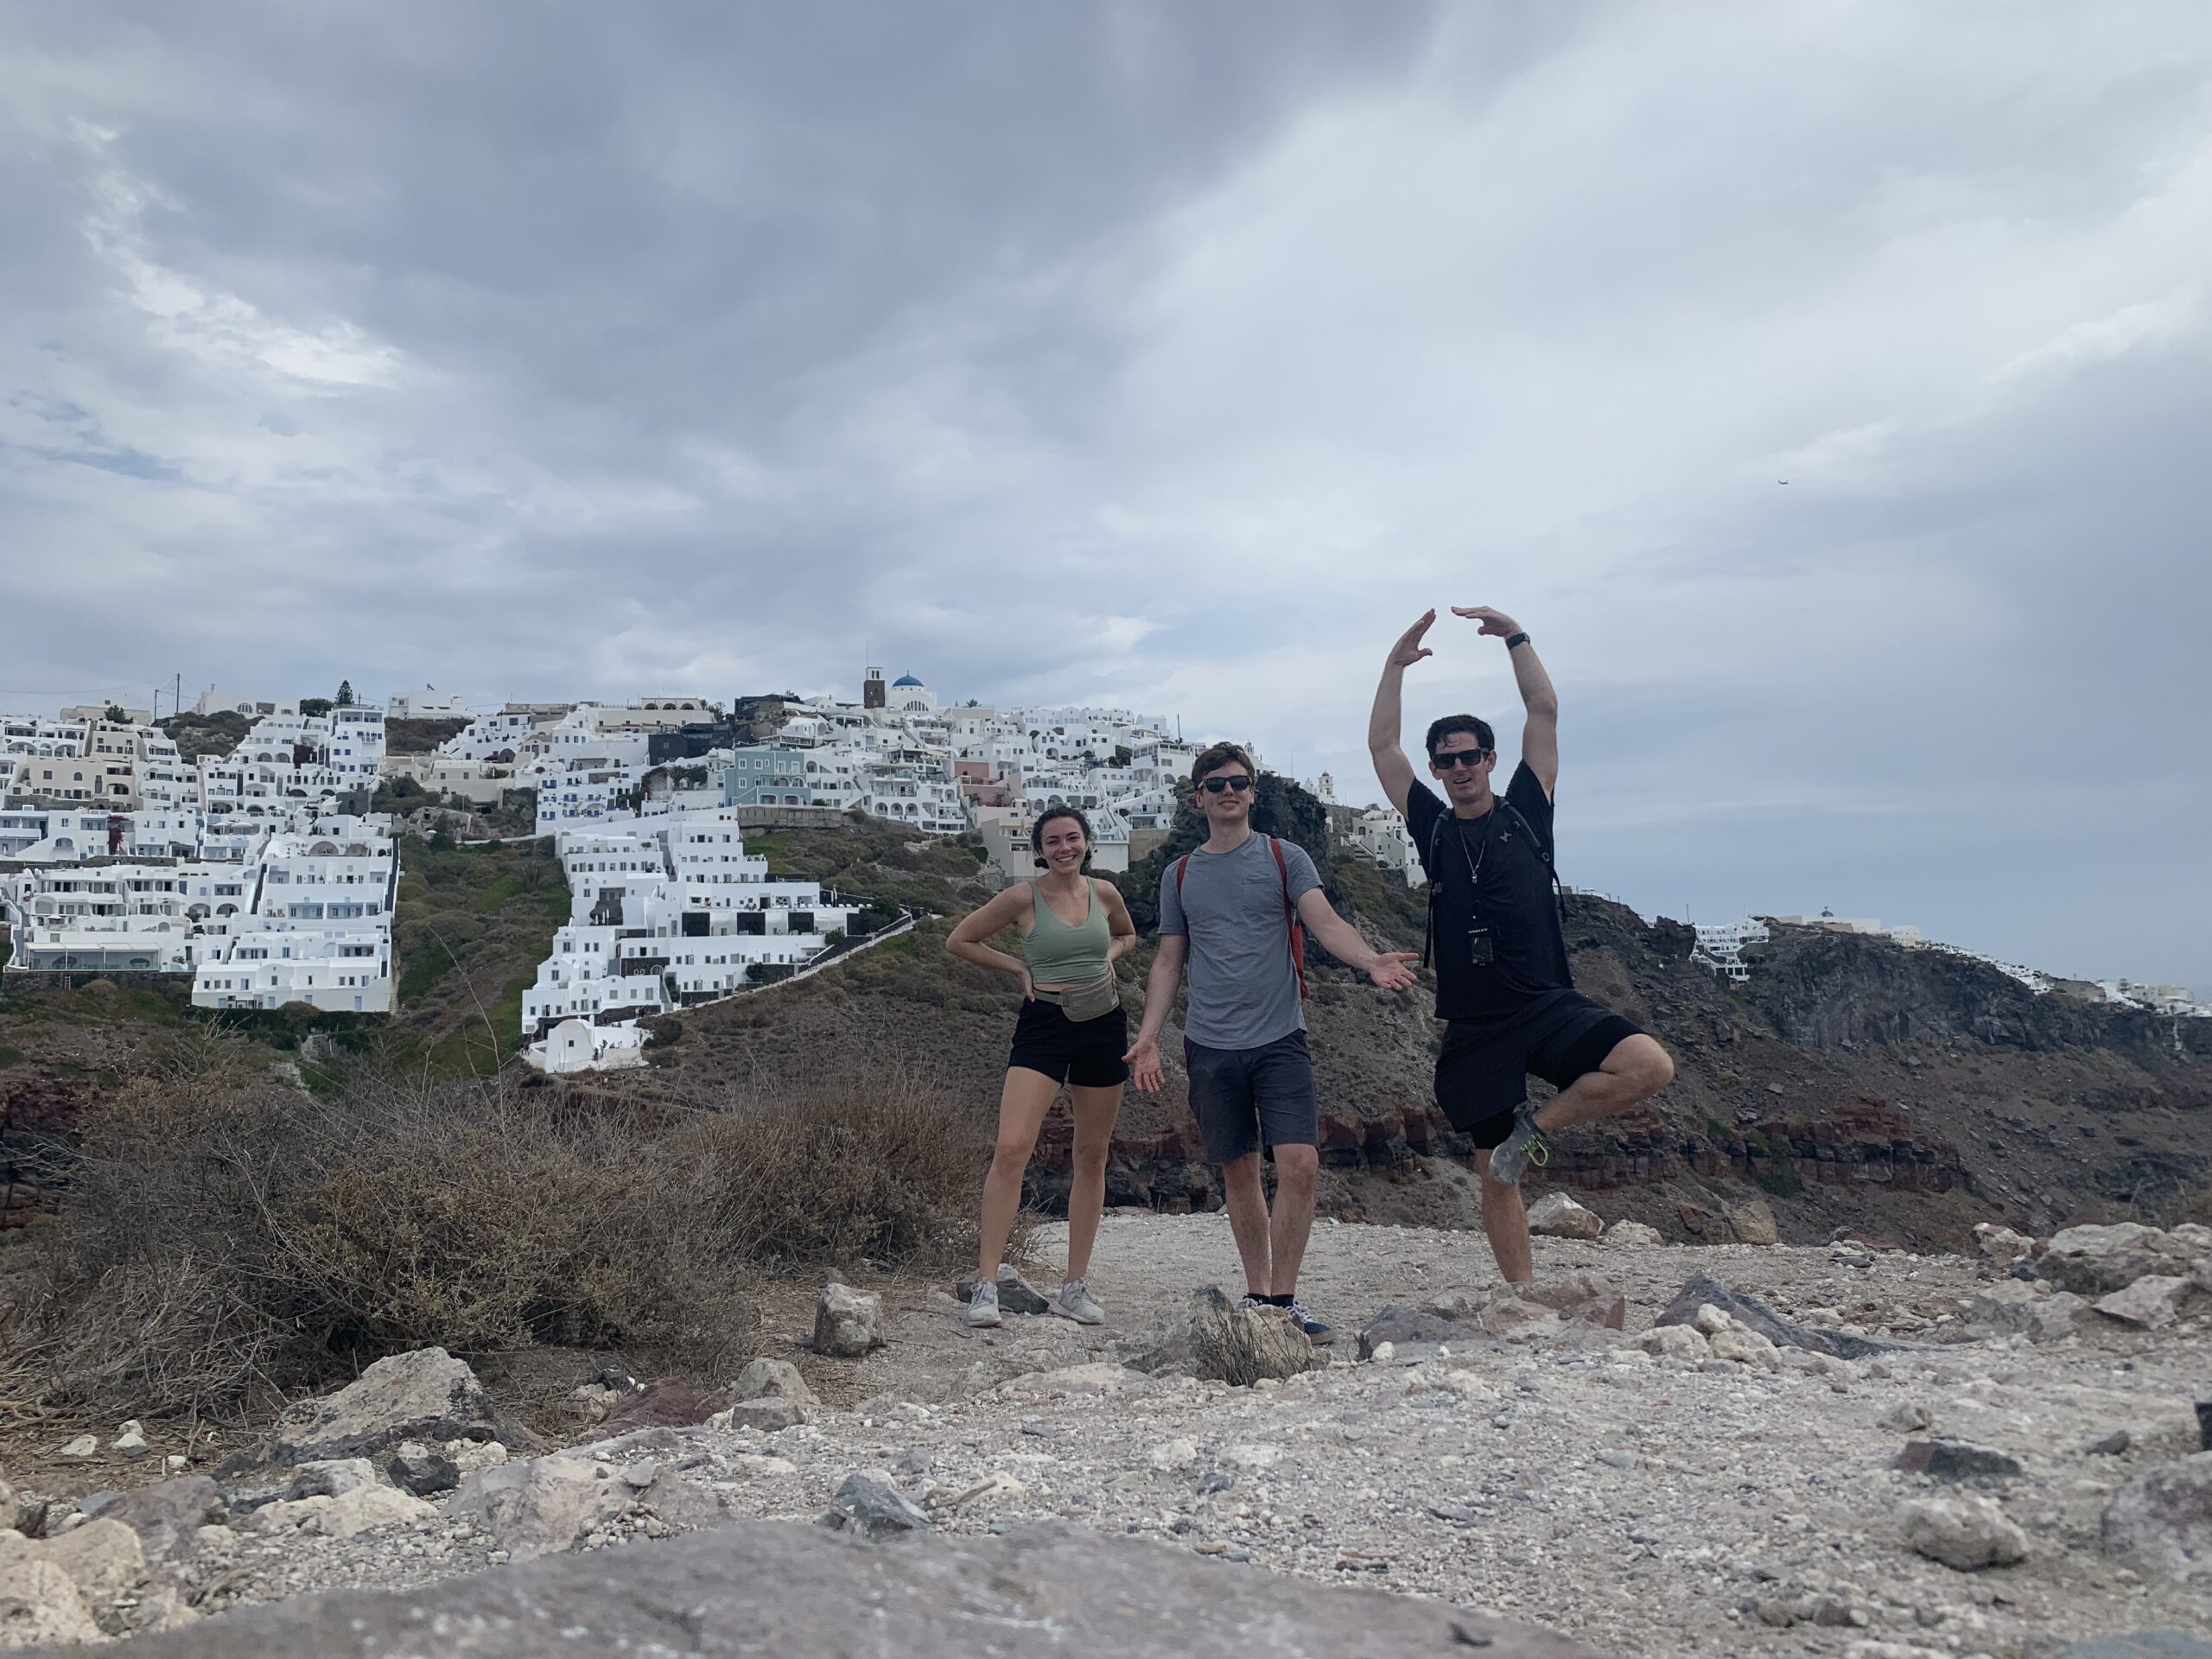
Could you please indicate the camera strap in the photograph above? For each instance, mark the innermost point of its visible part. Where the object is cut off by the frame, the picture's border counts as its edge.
(1475, 865)
(1474, 872)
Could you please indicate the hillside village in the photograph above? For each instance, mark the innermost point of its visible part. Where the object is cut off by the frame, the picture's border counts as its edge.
(118, 855)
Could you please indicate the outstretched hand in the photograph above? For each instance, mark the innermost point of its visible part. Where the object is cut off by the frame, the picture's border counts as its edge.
(1391, 972)
(1410, 649)
(1493, 620)
(1145, 1069)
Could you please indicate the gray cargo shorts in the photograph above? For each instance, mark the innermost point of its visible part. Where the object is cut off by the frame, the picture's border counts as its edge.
(1246, 1098)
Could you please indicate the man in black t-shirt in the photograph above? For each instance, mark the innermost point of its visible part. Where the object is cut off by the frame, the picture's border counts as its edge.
(1501, 979)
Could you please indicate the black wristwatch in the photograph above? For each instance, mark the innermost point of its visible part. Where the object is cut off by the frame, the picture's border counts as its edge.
(1520, 638)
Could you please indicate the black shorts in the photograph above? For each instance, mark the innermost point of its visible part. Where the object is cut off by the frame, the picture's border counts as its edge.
(1483, 1073)
(1087, 1053)
(1246, 1098)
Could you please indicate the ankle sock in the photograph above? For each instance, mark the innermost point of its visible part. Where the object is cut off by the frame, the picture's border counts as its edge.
(1276, 1301)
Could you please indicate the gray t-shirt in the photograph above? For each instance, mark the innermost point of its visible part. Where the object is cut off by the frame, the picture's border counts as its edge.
(1244, 989)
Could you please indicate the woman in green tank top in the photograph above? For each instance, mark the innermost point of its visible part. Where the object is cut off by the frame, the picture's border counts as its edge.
(1071, 1031)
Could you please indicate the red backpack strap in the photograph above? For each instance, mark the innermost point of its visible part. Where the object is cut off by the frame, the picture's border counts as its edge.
(1290, 911)
(1181, 865)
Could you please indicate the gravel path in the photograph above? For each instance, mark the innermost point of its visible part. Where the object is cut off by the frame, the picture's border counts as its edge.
(1647, 1506)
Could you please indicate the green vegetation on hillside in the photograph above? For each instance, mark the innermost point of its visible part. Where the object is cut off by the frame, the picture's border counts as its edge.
(886, 864)
(197, 734)
(474, 923)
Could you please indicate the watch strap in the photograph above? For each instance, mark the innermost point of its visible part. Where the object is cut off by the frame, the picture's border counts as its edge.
(1513, 639)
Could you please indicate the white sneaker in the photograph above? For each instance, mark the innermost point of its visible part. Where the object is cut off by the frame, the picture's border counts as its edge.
(983, 1305)
(1076, 1302)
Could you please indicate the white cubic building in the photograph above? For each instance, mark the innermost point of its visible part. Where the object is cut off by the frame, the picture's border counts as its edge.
(668, 912)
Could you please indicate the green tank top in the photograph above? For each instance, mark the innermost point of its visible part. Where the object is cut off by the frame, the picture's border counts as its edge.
(1060, 955)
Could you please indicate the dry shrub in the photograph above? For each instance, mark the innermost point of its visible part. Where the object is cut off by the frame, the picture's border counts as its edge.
(887, 1169)
(226, 1235)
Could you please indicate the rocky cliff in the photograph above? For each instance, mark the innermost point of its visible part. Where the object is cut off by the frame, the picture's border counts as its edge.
(1853, 1084)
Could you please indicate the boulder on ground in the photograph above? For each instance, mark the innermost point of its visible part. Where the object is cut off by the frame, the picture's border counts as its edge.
(1942, 1459)
(847, 1322)
(2097, 1261)
(668, 1402)
(1209, 1339)
(1415, 1332)
(427, 1394)
(774, 1587)
(418, 1470)
(39, 1603)
(1557, 1216)
(1633, 1235)
(769, 1413)
(779, 1379)
(1966, 1532)
(1745, 1347)
(871, 1507)
(2015, 1308)
(1754, 1224)
(1703, 1290)
(168, 1517)
(1674, 1342)
(1582, 1297)
(2001, 1245)
(334, 1477)
(2160, 1522)
(2152, 1302)
(102, 1559)
(539, 1506)
(357, 1508)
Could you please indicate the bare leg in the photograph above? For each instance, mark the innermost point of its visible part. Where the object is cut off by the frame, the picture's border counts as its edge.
(1023, 1103)
(1505, 1219)
(1636, 1069)
(1247, 1205)
(1095, 1111)
(1296, 1169)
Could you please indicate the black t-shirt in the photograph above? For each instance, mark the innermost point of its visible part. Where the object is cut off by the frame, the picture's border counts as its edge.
(1510, 892)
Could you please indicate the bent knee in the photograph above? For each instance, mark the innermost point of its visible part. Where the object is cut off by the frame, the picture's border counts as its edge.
(1643, 1065)
(1297, 1163)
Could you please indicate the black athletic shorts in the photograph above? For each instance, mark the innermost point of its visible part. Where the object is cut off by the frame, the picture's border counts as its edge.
(1086, 1053)
(1483, 1073)
(1248, 1098)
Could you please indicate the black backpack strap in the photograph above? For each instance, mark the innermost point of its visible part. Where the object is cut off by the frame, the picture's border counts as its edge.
(1428, 865)
(1543, 852)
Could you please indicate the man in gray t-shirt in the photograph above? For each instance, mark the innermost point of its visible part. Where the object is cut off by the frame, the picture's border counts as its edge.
(1230, 910)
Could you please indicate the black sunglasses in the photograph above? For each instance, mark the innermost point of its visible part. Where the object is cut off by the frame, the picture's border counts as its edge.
(1458, 758)
(1240, 783)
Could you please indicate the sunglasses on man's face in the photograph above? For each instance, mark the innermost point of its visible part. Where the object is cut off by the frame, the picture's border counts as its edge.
(1215, 786)
(1469, 758)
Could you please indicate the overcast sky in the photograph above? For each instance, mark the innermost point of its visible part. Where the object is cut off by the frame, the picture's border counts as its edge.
(1177, 356)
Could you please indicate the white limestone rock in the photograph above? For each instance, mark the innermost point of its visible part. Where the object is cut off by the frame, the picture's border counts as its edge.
(2152, 1302)
(1557, 1216)
(1966, 1532)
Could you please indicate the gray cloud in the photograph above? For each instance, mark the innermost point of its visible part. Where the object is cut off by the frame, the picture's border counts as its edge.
(1178, 356)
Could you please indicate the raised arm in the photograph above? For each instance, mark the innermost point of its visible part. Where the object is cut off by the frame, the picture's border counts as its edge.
(1540, 736)
(1392, 770)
